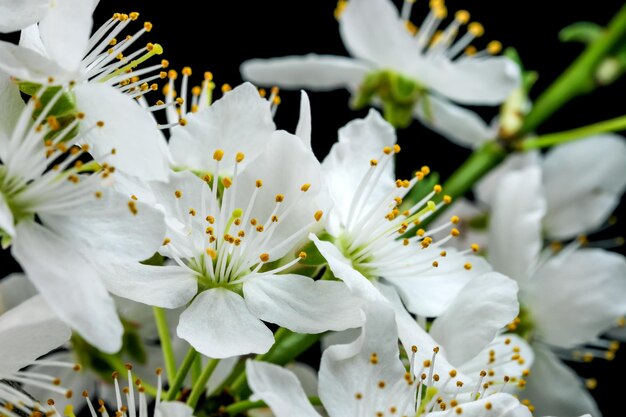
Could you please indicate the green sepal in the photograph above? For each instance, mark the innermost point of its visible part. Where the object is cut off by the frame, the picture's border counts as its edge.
(5, 239)
(155, 260)
(313, 255)
(65, 105)
(583, 32)
(397, 93)
(132, 344)
(479, 222)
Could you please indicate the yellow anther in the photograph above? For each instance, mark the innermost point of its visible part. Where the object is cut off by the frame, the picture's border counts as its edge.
(475, 247)
(218, 155)
(264, 257)
(132, 206)
(425, 170)
(239, 157)
(437, 188)
(211, 252)
(396, 148)
(227, 182)
(476, 29)
(186, 71)
(318, 215)
(467, 266)
(387, 150)
(133, 15)
(447, 199)
(591, 383)
(441, 12)
(435, 264)
(280, 198)
(262, 92)
(147, 26)
(208, 76)
(410, 27)
(455, 220)
(226, 88)
(259, 183)
(462, 16)
(305, 187)
(455, 232)
(381, 384)
(341, 6)
(165, 63)
(470, 50)
(276, 100)
(494, 47)
(302, 255)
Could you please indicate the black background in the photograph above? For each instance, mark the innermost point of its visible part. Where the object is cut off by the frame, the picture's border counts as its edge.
(233, 31)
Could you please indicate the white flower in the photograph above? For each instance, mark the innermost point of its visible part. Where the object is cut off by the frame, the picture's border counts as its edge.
(409, 73)
(60, 51)
(568, 298)
(225, 234)
(58, 221)
(27, 331)
(367, 378)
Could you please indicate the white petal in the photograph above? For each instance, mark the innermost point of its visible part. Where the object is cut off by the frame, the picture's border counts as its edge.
(303, 168)
(65, 31)
(429, 293)
(241, 121)
(29, 65)
(412, 334)
(515, 225)
(484, 190)
(486, 81)
(373, 31)
(6, 217)
(140, 148)
(313, 72)
(343, 270)
(301, 304)
(173, 409)
(30, 38)
(466, 327)
(220, 374)
(503, 347)
(459, 125)
(554, 389)
(279, 388)
(12, 106)
(161, 286)
(502, 405)
(360, 141)
(15, 289)
(218, 324)
(17, 14)
(28, 331)
(346, 370)
(307, 375)
(107, 229)
(303, 130)
(581, 203)
(69, 284)
(573, 299)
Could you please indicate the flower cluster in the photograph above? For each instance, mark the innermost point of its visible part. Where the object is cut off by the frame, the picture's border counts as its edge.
(160, 226)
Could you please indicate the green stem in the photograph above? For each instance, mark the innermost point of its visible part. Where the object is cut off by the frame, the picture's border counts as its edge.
(178, 380)
(166, 342)
(473, 169)
(241, 406)
(579, 77)
(288, 347)
(200, 385)
(544, 141)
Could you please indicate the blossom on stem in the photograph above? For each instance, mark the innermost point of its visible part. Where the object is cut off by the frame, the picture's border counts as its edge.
(409, 72)
(230, 237)
(99, 79)
(367, 378)
(57, 218)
